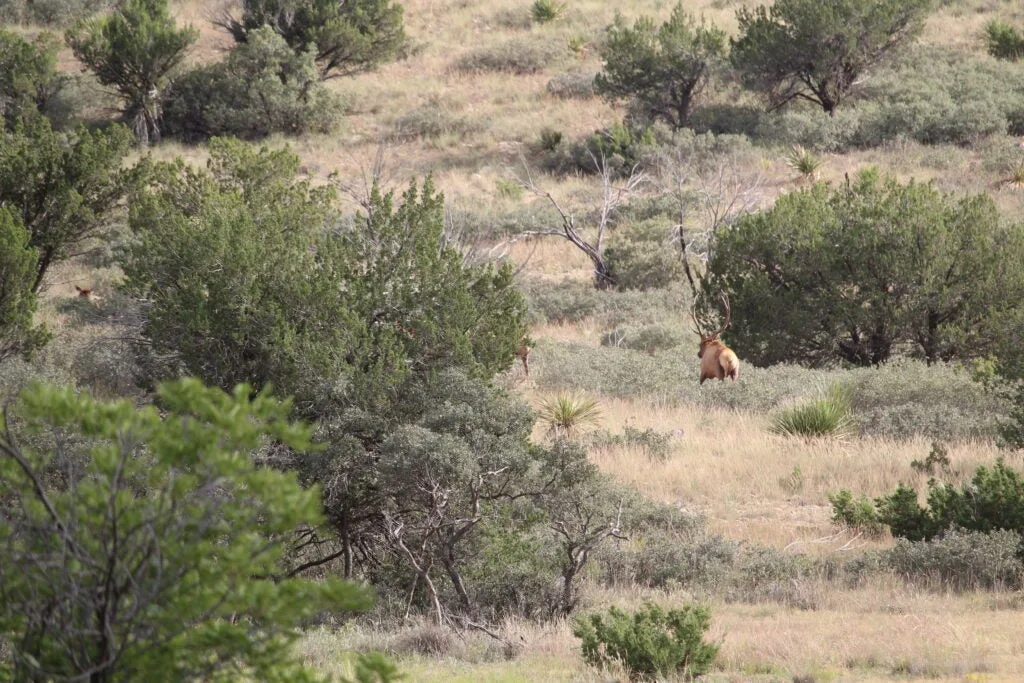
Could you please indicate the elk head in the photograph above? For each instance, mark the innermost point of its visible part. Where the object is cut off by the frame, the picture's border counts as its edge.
(718, 361)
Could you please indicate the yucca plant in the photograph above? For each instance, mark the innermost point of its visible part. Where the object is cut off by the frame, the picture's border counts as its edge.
(803, 161)
(1015, 178)
(567, 415)
(545, 11)
(828, 416)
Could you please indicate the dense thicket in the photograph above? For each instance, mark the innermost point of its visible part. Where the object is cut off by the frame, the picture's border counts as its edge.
(261, 87)
(347, 36)
(857, 272)
(64, 187)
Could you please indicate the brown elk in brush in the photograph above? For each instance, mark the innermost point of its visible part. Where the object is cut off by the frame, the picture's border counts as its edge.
(716, 359)
(88, 294)
(523, 354)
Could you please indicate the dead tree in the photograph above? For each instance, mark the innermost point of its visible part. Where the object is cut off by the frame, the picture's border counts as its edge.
(613, 196)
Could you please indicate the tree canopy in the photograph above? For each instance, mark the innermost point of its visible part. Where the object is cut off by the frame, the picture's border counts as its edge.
(142, 546)
(857, 272)
(662, 70)
(135, 49)
(816, 51)
(348, 36)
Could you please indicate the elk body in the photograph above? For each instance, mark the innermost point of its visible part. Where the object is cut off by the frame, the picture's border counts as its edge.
(88, 294)
(523, 354)
(717, 361)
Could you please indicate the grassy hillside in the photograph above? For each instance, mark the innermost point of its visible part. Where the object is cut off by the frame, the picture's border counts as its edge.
(807, 616)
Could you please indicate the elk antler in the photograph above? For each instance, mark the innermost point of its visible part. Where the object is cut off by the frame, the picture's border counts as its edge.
(693, 313)
(728, 311)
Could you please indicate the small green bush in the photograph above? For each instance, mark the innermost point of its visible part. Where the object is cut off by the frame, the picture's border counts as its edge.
(517, 56)
(621, 146)
(726, 119)
(1004, 40)
(859, 514)
(961, 560)
(649, 643)
(829, 416)
(550, 139)
(643, 256)
(546, 11)
(263, 87)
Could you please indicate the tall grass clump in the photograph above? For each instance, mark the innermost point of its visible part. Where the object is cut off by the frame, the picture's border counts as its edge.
(546, 11)
(828, 416)
(567, 415)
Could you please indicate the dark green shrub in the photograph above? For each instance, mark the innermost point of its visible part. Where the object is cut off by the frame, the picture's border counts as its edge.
(808, 277)
(576, 85)
(517, 56)
(346, 37)
(550, 139)
(18, 262)
(804, 49)
(643, 256)
(1004, 40)
(620, 147)
(662, 71)
(262, 87)
(29, 80)
(993, 500)
(649, 643)
(960, 560)
(859, 514)
(938, 458)
(136, 50)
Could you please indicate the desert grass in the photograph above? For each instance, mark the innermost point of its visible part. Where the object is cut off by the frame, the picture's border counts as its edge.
(880, 632)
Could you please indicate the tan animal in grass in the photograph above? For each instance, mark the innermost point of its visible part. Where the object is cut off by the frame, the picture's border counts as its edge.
(717, 361)
(88, 294)
(523, 354)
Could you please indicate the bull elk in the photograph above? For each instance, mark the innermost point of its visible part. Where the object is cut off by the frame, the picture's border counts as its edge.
(716, 359)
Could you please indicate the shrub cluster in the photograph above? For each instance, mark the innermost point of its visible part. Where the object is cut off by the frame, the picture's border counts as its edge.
(262, 87)
(517, 56)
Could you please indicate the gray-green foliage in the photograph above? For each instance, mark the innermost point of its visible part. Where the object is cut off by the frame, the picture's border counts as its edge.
(961, 560)
(854, 272)
(29, 80)
(346, 36)
(651, 643)
(279, 288)
(933, 96)
(64, 187)
(135, 50)
(662, 70)
(18, 260)
(49, 12)
(143, 544)
(805, 49)
(643, 256)
(262, 87)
